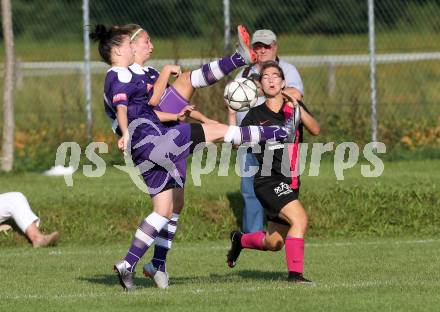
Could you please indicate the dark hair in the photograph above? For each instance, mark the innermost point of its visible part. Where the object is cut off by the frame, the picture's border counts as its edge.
(270, 64)
(107, 39)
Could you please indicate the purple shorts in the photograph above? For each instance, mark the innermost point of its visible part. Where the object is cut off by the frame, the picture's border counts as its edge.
(171, 101)
(161, 156)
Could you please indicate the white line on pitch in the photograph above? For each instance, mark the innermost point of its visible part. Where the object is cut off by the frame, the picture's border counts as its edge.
(218, 246)
(200, 291)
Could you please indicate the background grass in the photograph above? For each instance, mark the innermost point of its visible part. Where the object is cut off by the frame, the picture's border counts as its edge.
(397, 41)
(404, 201)
(50, 109)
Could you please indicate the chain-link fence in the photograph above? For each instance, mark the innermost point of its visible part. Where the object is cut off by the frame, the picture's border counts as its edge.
(326, 40)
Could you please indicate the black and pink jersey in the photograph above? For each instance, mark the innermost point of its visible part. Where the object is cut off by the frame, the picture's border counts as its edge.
(263, 116)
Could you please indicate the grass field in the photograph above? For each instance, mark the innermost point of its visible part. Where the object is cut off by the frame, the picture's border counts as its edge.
(350, 275)
(403, 201)
(373, 245)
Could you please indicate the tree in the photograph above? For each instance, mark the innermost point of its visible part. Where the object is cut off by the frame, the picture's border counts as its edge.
(8, 103)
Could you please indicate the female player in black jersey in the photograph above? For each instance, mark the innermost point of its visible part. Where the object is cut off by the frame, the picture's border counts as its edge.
(278, 190)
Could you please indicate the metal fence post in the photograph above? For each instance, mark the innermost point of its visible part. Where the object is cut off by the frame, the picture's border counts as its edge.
(372, 53)
(86, 71)
(331, 79)
(227, 25)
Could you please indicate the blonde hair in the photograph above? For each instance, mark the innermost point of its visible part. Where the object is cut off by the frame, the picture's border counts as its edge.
(134, 30)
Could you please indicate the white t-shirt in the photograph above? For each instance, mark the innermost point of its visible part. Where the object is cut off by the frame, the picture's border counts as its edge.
(293, 80)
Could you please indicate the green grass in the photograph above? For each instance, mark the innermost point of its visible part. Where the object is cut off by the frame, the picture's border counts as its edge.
(51, 109)
(350, 275)
(399, 203)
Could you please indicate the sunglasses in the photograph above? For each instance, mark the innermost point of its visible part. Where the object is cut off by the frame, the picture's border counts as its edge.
(260, 45)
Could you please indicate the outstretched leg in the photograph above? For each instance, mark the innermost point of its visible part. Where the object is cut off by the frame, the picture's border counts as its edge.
(239, 135)
(15, 205)
(212, 72)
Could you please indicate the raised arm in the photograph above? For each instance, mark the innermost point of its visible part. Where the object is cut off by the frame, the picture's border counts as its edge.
(309, 121)
(162, 82)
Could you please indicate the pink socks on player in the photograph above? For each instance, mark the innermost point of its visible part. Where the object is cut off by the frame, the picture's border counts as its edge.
(295, 254)
(253, 240)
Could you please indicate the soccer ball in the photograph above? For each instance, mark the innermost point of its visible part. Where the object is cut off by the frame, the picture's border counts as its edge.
(241, 94)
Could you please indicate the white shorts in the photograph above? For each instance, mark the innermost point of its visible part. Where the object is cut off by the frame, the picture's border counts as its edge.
(15, 205)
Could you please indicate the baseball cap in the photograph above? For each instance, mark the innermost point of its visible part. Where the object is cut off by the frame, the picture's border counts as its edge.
(264, 36)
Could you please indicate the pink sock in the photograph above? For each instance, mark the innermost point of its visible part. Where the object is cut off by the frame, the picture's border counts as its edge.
(295, 254)
(253, 240)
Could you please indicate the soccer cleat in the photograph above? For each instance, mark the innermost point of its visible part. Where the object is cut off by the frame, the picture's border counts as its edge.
(47, 240)
(125, 276)
(160, 278)
(298, 278)
(244, 47)
(235, 250)
(292, 124)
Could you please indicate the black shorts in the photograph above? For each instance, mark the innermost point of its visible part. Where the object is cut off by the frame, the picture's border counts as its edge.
(274, 193)
(197, 136)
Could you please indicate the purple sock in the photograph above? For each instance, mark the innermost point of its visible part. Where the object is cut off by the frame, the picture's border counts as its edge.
(163, 243)
(275, 133)
(230, 63)
(212, 72)
(143, 238)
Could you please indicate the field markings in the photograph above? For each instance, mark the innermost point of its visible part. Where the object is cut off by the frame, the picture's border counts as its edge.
(198, 291)
(218, 246)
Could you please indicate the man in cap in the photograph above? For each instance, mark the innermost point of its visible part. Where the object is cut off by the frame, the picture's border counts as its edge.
(264, 42)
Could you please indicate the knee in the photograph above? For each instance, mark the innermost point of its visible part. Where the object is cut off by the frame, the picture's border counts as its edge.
(16, 198)
(274, 244)
(178, 207)
(185, 76)
(301, 223)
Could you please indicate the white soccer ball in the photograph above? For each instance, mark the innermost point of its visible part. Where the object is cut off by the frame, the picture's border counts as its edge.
(241, 94)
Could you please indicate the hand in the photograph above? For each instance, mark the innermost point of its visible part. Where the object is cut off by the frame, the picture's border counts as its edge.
(174, 70)
(289, 98)
(181, 116)
(123, 141)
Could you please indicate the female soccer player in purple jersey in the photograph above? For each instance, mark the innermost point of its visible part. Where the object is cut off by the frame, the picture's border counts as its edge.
(165, 97)
(279, 191)
(155, 148)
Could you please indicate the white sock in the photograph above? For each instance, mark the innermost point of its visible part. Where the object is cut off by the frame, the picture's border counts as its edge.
(206, 75)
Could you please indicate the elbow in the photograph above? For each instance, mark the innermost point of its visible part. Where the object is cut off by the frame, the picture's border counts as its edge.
(153, 102)
(316, 130)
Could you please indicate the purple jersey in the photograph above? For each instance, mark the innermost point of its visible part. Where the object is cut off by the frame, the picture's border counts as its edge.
(148, 75)
(161, 150)
(120, 88)
(170, 102)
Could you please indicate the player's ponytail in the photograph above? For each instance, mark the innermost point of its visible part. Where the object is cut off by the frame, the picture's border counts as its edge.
(100, 34)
